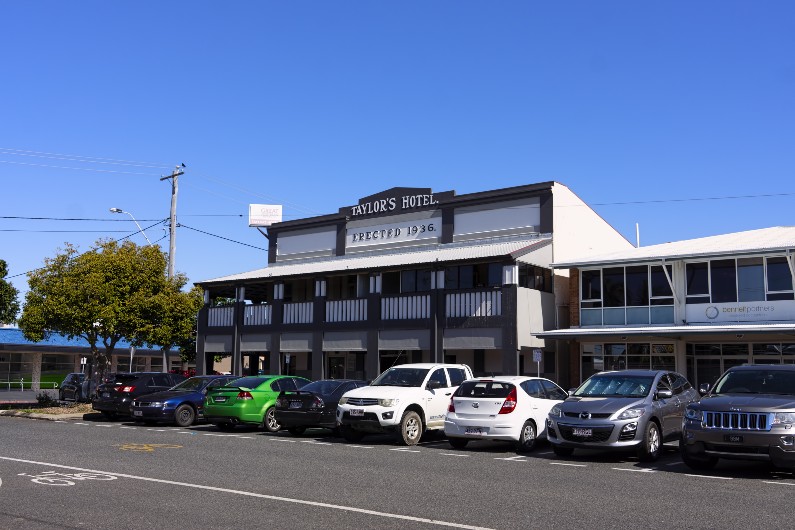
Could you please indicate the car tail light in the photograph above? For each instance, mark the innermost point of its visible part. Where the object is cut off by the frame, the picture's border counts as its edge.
(281, 403)
(317, 403)
(451, 406)
(244, 395)
(510, 402)
(126, 389)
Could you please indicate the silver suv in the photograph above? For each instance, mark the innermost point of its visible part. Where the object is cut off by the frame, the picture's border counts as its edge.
(627, 409)
(748, 415)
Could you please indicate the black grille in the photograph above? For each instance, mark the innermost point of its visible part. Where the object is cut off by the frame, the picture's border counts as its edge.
(737, 449)
(743, 421)
(627, 436)
(362, 402)
(598, 434)
(595, 416)
(368, 416)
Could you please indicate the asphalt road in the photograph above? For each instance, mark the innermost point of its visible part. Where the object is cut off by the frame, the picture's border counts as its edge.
(167, 477)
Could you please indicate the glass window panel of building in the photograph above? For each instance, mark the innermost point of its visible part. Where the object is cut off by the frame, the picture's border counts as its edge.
(739, 280)
(476, 276)
(637, 286)
(533, 277)
(618, 356)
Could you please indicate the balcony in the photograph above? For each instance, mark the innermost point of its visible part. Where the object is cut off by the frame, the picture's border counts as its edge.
(346, 310)
(257, 315)
(473, 304)
(220, 316)
(406, 307)
(297, 313)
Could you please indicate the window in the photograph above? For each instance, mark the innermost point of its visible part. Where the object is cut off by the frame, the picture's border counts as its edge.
(723, 281)
(415, 280)
(390, 283)
(299, 290)
(538, 278)
(638, 286)
(553, 391)
(779, 279)
(591, 288)
(750, 280)
(533, 388)
(440, 377)
(473, 276)
(341, 287)
(613, 287)
(661, 293)
(697, 275)
(457, 376)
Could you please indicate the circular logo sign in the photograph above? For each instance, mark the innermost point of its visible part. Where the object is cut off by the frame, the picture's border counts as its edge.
(712, 312)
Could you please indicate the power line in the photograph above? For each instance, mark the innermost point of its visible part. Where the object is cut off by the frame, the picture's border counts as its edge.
(79, 158)
(76, 168)
(220, 237)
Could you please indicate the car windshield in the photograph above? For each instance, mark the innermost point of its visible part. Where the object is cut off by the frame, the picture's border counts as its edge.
(616, 385)
(398, 376)
(756, 382)
(192, 384)
(247, 382)
(323, 387)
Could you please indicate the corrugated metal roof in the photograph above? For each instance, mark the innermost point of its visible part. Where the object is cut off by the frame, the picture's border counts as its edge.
(443, 253)
(16, 337)
(634, 331)
(776, 238)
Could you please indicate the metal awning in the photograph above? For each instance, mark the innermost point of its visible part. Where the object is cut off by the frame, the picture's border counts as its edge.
(670, 331)
(523, 250)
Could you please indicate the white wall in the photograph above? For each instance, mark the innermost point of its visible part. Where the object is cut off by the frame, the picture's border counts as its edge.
(535, 312)
(313, 242)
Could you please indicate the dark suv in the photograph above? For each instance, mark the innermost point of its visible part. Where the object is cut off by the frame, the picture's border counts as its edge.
(115, 397)
(748, 415)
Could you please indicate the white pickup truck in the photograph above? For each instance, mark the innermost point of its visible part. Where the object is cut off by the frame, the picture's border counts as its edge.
(408, 399)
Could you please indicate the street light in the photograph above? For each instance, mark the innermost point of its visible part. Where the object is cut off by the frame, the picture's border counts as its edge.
(119, 210)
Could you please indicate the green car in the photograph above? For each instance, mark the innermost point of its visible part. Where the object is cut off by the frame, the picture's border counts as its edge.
(249, 401)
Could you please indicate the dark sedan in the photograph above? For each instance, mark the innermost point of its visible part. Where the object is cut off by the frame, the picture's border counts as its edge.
(71, 388)
(315, 405)
(182, 404)
(115, 397)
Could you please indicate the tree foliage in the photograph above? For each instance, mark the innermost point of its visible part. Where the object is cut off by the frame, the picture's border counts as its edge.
(115, 291)
(9, 303)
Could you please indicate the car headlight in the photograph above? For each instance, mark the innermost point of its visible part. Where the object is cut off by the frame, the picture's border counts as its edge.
(630, 414)
(692, 413)
(556, 411)
(388, 402)
(343, 400)
(783, 417)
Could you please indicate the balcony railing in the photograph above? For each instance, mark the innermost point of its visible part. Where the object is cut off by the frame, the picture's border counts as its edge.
(298, 313)
(257, 315)
(220, 316)
(474, 304)
(346, 310)
(406, 307)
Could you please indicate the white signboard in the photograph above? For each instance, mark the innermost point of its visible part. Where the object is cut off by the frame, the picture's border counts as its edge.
(741, 312)
(264, 214)
(394, 232)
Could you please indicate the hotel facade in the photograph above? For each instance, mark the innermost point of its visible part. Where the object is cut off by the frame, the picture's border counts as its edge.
(408, 275)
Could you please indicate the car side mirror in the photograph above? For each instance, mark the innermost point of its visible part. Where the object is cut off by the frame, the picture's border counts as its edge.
(665, 393)
(433, 384)
(571, 391)
(704, 389)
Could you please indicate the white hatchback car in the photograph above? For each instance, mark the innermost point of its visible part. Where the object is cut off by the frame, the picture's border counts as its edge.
(509, 408)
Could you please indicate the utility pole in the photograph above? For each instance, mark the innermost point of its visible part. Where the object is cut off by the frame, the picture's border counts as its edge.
(172, 240)
(172, 243)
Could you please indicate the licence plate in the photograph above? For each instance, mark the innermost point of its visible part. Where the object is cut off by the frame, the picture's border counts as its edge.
(106, 394)
(581, 432)
(357, 412)
(733, 438)
(138, 413)
(219, 399)
(295, 405)
(473, 430)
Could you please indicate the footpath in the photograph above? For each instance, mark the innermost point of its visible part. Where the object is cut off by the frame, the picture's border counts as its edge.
(11, 401)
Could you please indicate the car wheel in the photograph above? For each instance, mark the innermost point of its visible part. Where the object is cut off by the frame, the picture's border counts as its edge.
(458, 443)
(649, 449)
(562, 451)
(108, 414)
(296, 431)
(269, 422)
(351, 435)
(410, 428)
(698, 463)
(225, 426)
(527, 438)
(184, 416)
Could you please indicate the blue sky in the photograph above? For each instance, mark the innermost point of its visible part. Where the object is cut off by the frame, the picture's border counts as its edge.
(678, 116)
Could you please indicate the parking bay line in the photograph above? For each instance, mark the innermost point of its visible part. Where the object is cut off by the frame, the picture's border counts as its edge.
(316, 504)
(708, 476)
(455, 454)
(103, 425)
(405, 450)
(567, 464)
(642, 470)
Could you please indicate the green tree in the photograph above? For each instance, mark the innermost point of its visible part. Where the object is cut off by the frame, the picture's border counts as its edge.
(9, 304)
(115, 291)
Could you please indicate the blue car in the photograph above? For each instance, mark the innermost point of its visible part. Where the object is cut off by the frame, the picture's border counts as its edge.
(182, 404)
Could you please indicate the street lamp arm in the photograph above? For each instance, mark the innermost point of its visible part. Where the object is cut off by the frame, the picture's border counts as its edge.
(119, 210)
